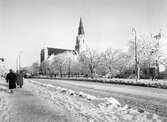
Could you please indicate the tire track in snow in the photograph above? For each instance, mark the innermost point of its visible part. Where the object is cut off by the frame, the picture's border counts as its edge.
(84, 110)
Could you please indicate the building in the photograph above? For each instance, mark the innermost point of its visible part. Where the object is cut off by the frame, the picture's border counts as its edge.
(79, 46)
(80, 39)
(47, 52)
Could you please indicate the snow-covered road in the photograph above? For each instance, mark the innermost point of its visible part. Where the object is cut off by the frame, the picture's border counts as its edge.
(43, 102)
(149, 99)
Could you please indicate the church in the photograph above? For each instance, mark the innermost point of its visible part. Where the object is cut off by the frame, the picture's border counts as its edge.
(79, 46)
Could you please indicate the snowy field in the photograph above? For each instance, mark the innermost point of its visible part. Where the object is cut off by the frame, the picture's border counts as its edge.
(82, 107)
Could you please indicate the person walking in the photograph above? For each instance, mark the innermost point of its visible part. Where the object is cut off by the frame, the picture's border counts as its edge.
(11, 78)
(20, 79)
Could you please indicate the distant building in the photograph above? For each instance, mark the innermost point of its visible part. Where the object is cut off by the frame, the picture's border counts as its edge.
(47, 52)
(79, 46)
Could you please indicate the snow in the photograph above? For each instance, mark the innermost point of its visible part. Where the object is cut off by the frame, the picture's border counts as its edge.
(71, 92)
(3, 104)
(82, 107)
(113, 101)
(24, 106)
(85, 107)
(87, 96)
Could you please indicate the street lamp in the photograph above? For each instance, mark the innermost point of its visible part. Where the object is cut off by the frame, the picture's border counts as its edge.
(157, 38)
(18, 62)
(136, 60)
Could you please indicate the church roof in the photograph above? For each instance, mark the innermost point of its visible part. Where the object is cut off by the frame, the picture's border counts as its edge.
(56, 51)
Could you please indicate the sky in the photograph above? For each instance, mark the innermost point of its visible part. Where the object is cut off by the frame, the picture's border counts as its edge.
(26, 26)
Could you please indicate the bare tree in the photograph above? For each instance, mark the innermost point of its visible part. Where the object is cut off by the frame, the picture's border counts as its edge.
(58, 63)
(109, 59)
(70, 61)
(64, 63)
(122, 62)
(150, 50)
(35, 68)
(44, 68)
(90, 59)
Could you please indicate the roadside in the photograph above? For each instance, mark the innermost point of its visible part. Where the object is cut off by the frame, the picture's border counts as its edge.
(24, 106)
(148, 99)
(38, 102)
(142, 82)
(94, 108)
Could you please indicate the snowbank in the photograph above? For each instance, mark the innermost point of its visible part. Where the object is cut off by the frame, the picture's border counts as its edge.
(88, 108)
(3, 104)
(141, 82)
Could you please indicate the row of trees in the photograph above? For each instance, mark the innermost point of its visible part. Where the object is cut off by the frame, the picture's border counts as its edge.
(110, 63)
(87, 63)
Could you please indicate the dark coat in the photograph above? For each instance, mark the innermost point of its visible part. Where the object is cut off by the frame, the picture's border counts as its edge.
(11, 78)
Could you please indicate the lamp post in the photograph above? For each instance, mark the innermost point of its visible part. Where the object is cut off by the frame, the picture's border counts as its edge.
(136, 60)
(157, 38)
(18, 62)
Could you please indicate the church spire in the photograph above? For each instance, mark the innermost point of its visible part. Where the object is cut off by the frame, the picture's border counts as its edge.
(80, 40)
(81, 29)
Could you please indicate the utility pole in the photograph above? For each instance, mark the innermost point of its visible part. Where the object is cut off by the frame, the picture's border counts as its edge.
(157, 38)
(18, 62)
(136, 61)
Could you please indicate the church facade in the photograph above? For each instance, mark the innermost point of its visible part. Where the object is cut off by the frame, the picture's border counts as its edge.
(80, 46)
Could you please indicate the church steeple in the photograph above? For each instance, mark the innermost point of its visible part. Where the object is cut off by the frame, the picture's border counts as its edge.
(80, 40)
(81, 29)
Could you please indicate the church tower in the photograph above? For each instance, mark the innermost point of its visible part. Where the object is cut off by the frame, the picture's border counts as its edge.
(80, 39)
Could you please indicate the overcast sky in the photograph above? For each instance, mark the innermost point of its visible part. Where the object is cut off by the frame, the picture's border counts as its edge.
(26, 26)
